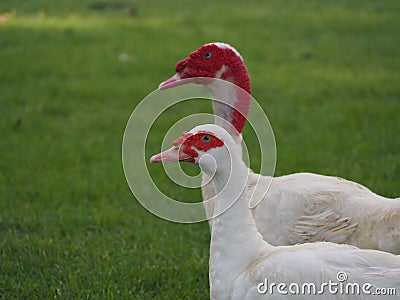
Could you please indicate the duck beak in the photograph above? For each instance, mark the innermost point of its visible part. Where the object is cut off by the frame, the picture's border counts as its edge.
(171, 155)
(171, 82)
(177, 80)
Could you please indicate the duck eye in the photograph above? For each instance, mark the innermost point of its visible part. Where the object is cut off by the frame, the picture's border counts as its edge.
(207, 55)
(206, 138)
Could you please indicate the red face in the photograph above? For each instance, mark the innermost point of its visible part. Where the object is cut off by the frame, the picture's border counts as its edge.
(206, 62)
(202, 140)
(185, 147)
(221, 61)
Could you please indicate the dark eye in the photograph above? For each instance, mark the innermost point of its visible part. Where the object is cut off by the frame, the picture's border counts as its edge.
(207, 55)
(206, 138)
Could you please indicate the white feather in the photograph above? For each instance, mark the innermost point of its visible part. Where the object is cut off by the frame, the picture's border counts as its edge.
(240, 259)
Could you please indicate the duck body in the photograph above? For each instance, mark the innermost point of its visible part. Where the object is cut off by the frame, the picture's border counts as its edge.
(306, 207)
(245, 266)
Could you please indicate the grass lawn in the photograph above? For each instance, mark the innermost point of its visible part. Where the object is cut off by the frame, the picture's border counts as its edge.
(327, 74)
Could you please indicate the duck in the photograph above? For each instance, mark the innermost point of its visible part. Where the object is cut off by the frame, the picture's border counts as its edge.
(302, 207)
(243, 265)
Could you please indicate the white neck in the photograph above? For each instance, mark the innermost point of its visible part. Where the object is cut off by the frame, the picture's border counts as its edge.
(225, 99)
(235, 240)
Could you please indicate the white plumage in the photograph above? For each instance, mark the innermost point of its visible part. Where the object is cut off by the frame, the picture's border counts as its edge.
(310, 207)
(300, 207)
(241, 261)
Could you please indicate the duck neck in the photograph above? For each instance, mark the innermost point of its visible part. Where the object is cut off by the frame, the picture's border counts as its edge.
(235, 240)
(231, 98)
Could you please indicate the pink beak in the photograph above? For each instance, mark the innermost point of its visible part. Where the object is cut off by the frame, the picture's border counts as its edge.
(175, 81)
(177, 78)
(171, 82)
(171, 155)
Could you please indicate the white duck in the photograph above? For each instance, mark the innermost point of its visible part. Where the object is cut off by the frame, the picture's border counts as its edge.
(301, 207)
(244, 266)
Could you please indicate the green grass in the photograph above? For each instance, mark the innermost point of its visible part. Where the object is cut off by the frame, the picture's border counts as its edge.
(326, 72)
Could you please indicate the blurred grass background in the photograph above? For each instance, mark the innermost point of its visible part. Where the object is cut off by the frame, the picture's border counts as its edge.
(326, 72)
